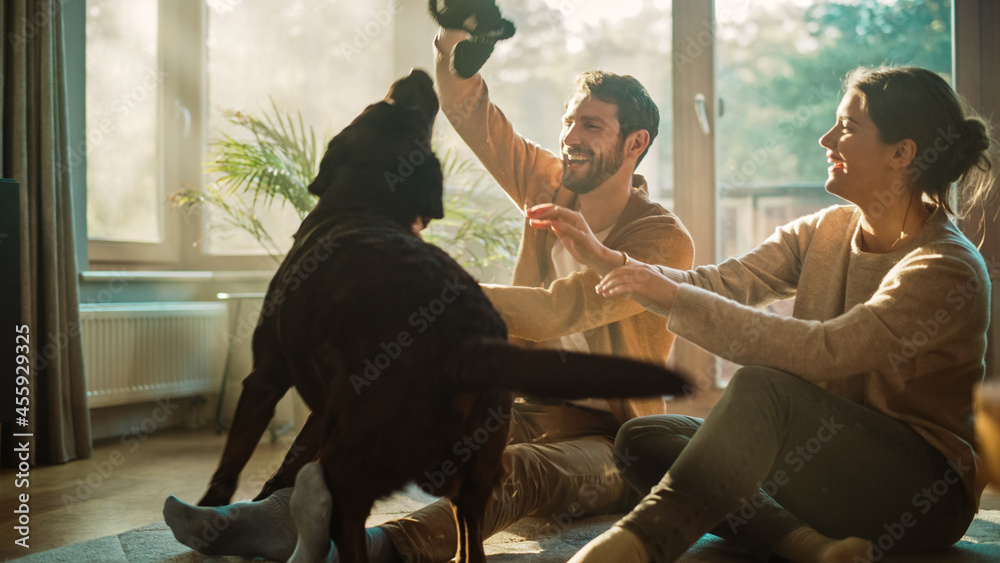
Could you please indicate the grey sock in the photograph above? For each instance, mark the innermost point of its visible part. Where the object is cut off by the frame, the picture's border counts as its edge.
(257, 529)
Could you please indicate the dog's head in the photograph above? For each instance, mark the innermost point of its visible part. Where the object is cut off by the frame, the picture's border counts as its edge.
(382, 162)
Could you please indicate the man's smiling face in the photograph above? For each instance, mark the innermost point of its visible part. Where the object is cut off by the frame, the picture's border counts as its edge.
(593, 148)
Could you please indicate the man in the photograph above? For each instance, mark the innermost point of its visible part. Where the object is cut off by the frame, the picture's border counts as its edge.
(560, 462)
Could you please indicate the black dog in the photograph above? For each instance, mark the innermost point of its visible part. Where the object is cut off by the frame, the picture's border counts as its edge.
(393, 346)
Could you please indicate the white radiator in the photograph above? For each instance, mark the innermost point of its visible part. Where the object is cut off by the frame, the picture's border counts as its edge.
(135, 352)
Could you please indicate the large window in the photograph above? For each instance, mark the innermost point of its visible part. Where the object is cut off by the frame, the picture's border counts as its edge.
(158, 91)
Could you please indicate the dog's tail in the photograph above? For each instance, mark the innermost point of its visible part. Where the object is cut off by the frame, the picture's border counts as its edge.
(559, 374)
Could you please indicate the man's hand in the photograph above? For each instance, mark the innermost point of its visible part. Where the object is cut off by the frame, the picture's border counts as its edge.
(484, 23)
(637, 280)
(575, 234)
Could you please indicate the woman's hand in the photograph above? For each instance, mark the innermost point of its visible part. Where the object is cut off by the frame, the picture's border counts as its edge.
(642, 283)
(575, 234)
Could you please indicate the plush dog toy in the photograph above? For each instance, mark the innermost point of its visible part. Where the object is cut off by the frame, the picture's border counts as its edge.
(490, 27)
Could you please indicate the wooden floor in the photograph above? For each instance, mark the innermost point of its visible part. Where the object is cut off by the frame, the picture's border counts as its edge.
(123, 486)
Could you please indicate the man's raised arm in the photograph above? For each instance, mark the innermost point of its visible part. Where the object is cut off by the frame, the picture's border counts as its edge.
(527, 172)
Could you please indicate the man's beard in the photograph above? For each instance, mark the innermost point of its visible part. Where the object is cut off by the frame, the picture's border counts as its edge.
(600, 169)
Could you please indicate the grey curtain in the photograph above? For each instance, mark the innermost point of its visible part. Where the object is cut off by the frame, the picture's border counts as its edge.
(35, 151)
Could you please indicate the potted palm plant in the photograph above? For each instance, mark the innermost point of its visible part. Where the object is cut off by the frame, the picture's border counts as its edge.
(273, 157)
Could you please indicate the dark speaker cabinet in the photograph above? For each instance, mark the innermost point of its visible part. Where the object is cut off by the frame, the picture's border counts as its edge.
(10, 293)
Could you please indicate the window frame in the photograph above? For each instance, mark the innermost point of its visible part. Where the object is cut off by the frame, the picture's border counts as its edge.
(694, 106)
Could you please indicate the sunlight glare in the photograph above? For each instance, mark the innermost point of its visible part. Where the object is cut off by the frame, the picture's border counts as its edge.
(596, 9)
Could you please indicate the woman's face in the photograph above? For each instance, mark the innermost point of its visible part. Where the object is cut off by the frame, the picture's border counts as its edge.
(859, 160)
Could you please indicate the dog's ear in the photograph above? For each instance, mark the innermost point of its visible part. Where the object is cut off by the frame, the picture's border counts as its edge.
(327, 167)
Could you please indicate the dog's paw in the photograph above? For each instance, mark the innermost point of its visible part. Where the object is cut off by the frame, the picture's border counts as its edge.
(217, 496)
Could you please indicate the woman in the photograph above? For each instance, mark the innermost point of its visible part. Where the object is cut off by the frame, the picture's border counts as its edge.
(852, 418)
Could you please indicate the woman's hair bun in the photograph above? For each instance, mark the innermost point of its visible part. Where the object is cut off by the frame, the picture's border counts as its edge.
(972, 149)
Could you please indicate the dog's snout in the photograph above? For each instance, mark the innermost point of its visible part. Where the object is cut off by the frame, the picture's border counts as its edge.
(421, 77)
(416, 90)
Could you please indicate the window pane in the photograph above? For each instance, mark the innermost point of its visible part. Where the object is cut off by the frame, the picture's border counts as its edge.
(123, 172)
(780, 69)
(296, 54)
(531, 75)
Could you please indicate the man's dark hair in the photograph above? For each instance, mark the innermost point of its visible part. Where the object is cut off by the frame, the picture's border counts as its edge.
(636, 109)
